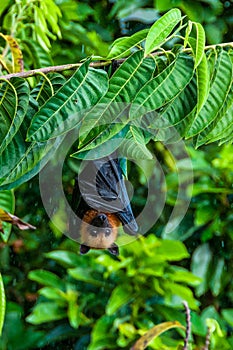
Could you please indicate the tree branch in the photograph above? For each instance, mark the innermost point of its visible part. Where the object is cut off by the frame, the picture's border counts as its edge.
(188, 325)
(50, 69)
(96, 64)
(207, 340)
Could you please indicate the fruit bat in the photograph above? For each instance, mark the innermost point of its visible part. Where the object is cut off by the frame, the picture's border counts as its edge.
(100, 200)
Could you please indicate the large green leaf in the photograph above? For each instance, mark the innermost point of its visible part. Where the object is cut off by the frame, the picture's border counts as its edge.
(120, 296)
(14, 99)
(203, 82)
(134, 145)
(46, 278)
(30, 162)
(38, 56)
(222, 125)
(122, 47)
(123, 85)
(227, 136)
(46, 312)
(177, 109)
(218, 92)
(198, 50)
(21, 160)
(201, 260)
(47, 87)
(161, 29)
(163, 88)
(111, 132)
(63, 111)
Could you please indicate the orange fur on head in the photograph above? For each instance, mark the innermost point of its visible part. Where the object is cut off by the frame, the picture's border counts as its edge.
(101, 241)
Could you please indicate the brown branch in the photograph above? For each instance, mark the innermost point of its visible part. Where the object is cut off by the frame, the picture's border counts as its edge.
(96, 64)
(50, 69)
(188, 325)
(207, 340)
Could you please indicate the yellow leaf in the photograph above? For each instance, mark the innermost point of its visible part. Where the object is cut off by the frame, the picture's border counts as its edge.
(154, 332)
(14, 220)
(16, 53)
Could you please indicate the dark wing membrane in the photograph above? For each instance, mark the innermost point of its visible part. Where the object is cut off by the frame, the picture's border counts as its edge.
(102, 187)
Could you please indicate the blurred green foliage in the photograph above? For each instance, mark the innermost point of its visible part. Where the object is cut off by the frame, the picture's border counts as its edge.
(57, 299)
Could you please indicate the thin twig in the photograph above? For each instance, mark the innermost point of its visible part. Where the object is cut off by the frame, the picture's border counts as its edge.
(188, 325)
(50, 69)
(207, 340)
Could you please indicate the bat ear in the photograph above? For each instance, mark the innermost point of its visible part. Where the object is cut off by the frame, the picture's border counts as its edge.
(113, 249)
(84, 249)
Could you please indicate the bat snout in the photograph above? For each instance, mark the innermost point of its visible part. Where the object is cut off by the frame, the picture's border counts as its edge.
(102, 217)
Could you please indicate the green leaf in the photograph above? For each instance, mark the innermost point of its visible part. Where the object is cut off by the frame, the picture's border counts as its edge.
(161, 29)
(228, 316)
(171, 250)
(163, 88)
(39, 57)
(46, 278)
(14, 99)
(122, 47)
(216, 278)
(46, 312)
(220, 126)
(27, 163)
(63, 257)
(200, 44)
(164, 5)
(101, 336)
(102, 150)
(73, 314)
(203, 83)
(134, 145)
(7, 202)
(227, 137)
(179, 274)
(180, 293)
(201, 260)
(217, 94)
(22, 160)
(122, 88)
(120, 296)
(63, 111)
(52, 294)
(177, 109)
(85, 275)
(214, 326)
(109, 132)
(187, 32)
(2, 304)
(47, 87)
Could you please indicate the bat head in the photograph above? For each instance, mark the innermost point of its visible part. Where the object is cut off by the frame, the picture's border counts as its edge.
(99, 231)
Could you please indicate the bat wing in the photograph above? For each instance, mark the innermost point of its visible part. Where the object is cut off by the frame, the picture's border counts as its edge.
(102, 187)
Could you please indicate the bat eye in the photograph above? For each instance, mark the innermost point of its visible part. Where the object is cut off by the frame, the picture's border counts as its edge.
(107, 232)
(93, 233)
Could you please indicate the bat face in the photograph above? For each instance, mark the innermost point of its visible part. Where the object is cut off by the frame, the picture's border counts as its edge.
(99, 231)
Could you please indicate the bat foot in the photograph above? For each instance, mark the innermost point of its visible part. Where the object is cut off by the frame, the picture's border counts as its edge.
(84, 249)
(113, 249)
